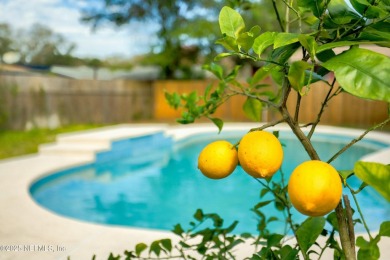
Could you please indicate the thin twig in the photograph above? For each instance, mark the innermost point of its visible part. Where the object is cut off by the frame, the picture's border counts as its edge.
(322, 19)
(358, 139)
(359, 210)
(324, 103)
(277, 15)
(287, 206)
(296, 116)
(255, 58)
(254, 96)
(270, 124)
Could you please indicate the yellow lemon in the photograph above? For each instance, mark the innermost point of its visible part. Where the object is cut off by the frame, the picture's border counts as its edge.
(315, 188)
(218, 159)
(260, 154)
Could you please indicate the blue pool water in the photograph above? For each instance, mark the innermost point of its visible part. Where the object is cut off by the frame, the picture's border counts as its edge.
(152, 182)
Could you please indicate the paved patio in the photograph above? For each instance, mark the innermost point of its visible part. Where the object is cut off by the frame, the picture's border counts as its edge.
(29, 231)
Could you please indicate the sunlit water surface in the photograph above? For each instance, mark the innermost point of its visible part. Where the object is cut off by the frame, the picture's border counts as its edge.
(161, 187)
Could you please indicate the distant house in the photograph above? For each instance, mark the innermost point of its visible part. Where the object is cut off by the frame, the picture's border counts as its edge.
(15, 69)
(142, 73)
(84, 72)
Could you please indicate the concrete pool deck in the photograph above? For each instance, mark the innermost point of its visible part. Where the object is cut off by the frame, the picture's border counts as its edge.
(29, 231)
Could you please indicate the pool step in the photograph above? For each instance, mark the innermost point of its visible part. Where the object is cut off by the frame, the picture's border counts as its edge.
(73, 149)
(99, 142)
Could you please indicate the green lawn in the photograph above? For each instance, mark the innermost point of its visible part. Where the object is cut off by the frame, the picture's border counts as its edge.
(15, 143)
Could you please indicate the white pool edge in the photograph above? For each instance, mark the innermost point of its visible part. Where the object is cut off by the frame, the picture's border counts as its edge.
(26, 223)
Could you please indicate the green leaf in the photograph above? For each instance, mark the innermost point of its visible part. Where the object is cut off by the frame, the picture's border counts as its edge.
(340, 13)
(112, 257)
(332, 220)
(360, 5)
(229, 43)
(216, 69)
(233, 74)
(283, 39)
(255, 30)
(186, 118)
(328, 46)
(167, 244)
(139, 248)
(253, 109)
(325, 55)
(378, 33)
(311, 77)
(231, 22)
(362, 243)
(376, 175)
(178, 230)
(309, 43)
(345, 175)
(218, 122)
(199, 215)
(263, 41)
(245, 40)
(370, 11)
(259, 75)
(316, 6)
(384, 229)
(288, 253)
(173, 99)
(297, 75)
(274, 240)
(262, 204)
(217, 220)
(283, 54)
(231, 227)
(155, 248)
(308, 232)
(223, 55)
(368, 249)
(271, 219)
(207, 92)
(191, 99)
(263, 192)
(363, 73)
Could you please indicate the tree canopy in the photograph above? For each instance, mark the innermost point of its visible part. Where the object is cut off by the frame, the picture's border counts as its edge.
(37, 45)
(187, 30)
(180, 24)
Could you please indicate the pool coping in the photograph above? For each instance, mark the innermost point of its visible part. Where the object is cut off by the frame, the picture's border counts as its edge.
(38, 233)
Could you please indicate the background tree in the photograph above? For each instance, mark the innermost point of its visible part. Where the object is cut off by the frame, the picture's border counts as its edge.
(186, 30)
(39, 45)
(95, 64)
(6, 40)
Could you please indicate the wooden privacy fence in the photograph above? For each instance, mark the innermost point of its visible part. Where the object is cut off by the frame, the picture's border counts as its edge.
(39, 101)
(28, 102)
(342, 110)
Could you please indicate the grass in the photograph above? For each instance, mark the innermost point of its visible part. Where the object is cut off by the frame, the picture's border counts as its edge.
(16, 143)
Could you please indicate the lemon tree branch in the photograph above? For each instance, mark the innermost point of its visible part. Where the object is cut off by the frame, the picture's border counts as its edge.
(349, 145)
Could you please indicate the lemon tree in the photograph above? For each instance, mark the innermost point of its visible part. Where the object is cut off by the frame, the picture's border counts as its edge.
(314, 188)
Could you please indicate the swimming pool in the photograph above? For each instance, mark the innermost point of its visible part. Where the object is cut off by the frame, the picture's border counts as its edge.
(155, 183)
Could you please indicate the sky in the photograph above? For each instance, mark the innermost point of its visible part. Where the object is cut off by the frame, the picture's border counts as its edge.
(63, 17)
